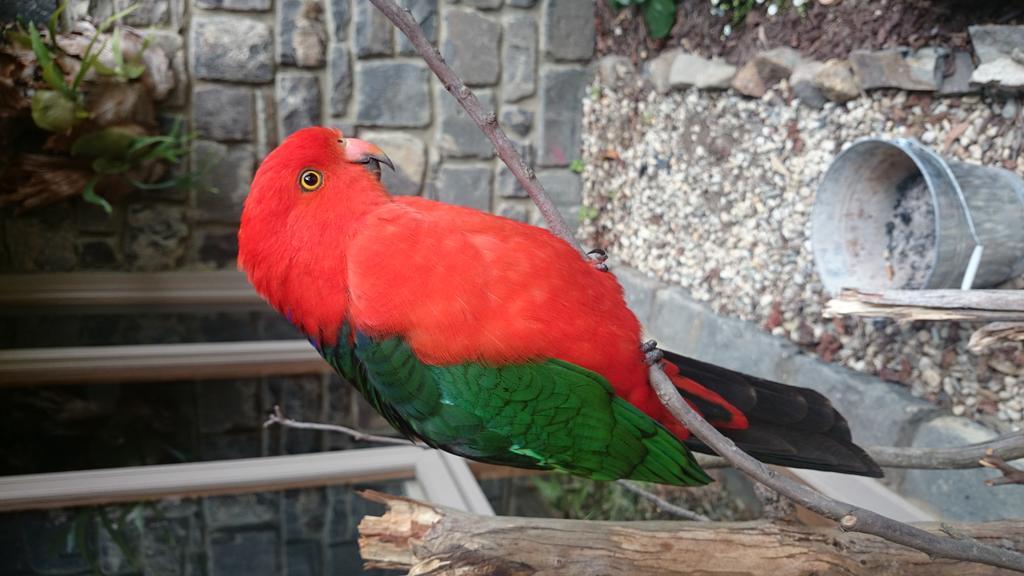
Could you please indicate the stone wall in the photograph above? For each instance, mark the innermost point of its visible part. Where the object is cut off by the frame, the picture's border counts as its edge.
(250, 72)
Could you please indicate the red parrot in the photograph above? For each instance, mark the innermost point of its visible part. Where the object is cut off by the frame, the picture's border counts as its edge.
(493, 339)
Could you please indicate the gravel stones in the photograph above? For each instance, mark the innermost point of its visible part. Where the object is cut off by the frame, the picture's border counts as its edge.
(712, 192)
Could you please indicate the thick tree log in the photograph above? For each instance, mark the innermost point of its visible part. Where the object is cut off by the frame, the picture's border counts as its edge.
(969, 305)
(432, 540)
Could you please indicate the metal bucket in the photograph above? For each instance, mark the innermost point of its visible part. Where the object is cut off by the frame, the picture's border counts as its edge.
(978, 212)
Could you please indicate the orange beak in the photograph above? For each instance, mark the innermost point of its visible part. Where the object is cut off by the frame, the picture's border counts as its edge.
(362, 152)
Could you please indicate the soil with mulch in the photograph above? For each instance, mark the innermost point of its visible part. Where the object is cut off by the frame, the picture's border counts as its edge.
(822, 32)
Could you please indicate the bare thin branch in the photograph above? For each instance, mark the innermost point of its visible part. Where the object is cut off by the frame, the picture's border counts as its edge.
(1011, 474)
(486, 120)
(1008, 447)
(277, 417)
(851, 518)
(661, 503)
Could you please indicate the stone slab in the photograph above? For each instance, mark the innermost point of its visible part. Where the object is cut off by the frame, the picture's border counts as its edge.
(459, 136)
(297, 95)
(425, 12)
(519, 66)
(231, 49)
(471, 46)
(465, 185)
(569, 29)
(373, 31)
(562, 90)
(223, 113)
(392, 94)
(899, 68)
(409, 155)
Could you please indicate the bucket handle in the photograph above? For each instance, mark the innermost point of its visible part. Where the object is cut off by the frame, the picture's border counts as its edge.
(975, 261)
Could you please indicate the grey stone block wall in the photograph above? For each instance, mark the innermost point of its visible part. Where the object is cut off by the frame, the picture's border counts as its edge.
(250, 72)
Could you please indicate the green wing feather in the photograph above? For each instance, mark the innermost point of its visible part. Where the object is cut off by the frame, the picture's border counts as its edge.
(546, 415)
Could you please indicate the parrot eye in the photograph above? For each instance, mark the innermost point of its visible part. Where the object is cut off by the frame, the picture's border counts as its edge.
(310, 179)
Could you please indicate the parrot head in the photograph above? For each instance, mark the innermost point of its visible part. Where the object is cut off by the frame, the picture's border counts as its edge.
(290, 242)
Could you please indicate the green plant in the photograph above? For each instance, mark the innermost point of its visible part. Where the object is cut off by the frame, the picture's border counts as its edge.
(577, 166)
(117, 522)
(588, 213)
(92, 110)
(659, 15)
(63, 105)
(115, 151)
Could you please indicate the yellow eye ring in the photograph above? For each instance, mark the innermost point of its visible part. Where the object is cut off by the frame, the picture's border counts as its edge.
(311, 179)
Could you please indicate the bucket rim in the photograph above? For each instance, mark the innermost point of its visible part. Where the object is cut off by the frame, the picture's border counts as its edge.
(917, 152)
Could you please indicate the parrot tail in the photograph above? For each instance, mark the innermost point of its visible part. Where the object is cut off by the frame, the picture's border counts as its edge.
(775, 423)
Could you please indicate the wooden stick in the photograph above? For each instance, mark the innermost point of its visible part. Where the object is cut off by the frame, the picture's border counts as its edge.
(994, 334)
(970, 305)
(428, 539)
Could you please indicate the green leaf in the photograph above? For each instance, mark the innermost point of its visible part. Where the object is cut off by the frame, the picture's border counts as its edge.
(89, 195)
(115, 47)
(53, 111)
(103, 165)
(115, 17)
(20, 37)
(53, 76)
(111, 142)
(52, 24)
(133, 71)
(577, 166)
(660, 16)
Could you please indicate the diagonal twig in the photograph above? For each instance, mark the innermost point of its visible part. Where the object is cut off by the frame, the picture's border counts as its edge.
(1011, 474)
(1008, 447)
(662, 504)
(849, 517)
(277, 417)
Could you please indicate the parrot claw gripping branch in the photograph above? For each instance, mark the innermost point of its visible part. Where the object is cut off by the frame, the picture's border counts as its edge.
(532, 362)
